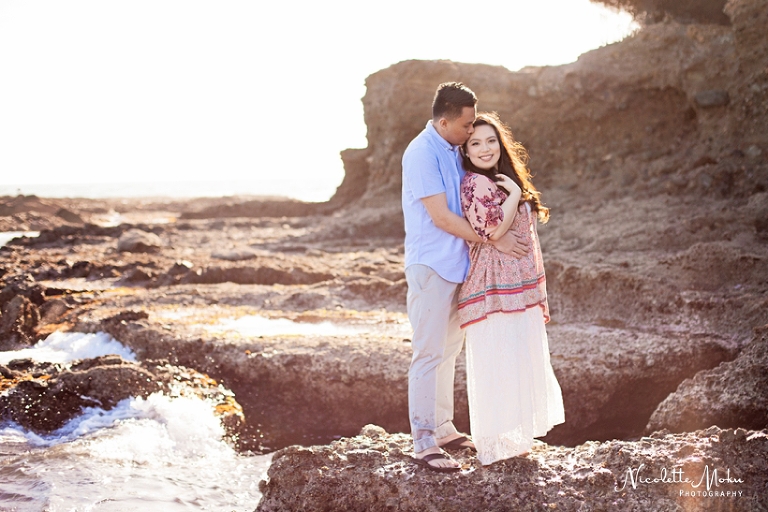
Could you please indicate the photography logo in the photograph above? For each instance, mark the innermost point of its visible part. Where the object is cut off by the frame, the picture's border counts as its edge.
(710, 482)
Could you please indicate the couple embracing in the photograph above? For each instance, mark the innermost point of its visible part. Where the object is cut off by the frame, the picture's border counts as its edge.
(474, 269)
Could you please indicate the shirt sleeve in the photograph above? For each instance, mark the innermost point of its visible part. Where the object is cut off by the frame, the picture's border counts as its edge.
(421, 173)
(481, 202)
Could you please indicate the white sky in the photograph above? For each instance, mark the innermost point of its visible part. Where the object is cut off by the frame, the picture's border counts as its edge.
(106, 91)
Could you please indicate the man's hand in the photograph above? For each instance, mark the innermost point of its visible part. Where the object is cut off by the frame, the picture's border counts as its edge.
(512, 244)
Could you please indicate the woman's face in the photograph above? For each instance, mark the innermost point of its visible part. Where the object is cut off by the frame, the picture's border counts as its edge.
(483, 147)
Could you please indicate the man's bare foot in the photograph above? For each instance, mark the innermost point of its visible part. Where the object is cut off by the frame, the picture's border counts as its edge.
(443, 463)
(452, 440)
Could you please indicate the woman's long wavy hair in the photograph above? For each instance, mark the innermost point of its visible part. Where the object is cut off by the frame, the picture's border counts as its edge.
(512, 162)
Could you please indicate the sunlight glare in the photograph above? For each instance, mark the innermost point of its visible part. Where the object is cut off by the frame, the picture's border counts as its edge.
(184, 91)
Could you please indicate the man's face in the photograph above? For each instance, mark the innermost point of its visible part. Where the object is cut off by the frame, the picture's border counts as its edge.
(458, 130)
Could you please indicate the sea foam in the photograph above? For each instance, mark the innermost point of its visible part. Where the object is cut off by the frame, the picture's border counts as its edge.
(136, 456)
(64, 347)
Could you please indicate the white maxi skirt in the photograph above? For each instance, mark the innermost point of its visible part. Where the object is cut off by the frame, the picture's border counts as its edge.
(513, 392)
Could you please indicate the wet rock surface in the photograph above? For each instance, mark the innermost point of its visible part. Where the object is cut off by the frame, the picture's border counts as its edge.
(710, 470)
(43, 397)
(293, 388)
(18, 318)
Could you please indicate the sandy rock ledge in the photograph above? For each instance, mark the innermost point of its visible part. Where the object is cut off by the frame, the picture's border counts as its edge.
(372, 472)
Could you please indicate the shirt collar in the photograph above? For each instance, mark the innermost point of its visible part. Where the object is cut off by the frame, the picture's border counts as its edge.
(438, 138)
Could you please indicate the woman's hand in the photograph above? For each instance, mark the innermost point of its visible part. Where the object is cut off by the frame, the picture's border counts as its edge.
(509, 206)
(508, 184)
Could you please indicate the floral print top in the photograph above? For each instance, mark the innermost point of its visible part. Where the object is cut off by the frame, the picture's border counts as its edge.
(497, 282)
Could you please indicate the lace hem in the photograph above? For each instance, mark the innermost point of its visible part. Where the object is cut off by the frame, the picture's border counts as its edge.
(514, 395)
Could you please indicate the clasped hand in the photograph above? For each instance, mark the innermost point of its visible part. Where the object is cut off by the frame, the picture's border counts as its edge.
(507, 184)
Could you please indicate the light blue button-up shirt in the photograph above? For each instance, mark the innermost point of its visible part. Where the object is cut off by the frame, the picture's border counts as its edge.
(432, 165)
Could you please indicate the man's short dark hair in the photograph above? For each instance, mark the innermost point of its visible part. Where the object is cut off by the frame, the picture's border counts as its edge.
(450, 100)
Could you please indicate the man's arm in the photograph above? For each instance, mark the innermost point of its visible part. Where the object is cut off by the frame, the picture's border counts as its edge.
(445, 219)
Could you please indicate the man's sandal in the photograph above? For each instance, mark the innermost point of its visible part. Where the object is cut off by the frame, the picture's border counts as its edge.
(424, 461)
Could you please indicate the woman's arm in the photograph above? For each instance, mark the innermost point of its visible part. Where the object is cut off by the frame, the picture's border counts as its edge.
(509, 206)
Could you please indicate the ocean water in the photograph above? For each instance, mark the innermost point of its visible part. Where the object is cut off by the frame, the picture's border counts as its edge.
(277, 186)
(162, 453)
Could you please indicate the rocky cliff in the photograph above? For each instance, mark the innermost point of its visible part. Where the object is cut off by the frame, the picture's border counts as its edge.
(678, 108)
(687, 11)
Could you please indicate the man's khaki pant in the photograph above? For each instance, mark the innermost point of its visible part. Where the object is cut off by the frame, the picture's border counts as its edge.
(437, 341)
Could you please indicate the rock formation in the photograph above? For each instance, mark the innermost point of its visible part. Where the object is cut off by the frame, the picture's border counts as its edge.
(43, 397)
(372, 471)
(675, 109)
(289, 387)
(732, 394)
(136, 240)
(19, 312)
(650, 11)
(23, 213)
(18, 320)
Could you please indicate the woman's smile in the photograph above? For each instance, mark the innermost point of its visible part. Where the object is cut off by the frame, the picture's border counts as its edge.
(484, 148)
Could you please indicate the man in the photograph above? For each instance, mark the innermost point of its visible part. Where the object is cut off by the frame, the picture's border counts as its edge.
(437, 261)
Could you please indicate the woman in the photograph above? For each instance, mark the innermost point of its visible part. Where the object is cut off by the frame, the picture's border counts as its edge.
(513, 393)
